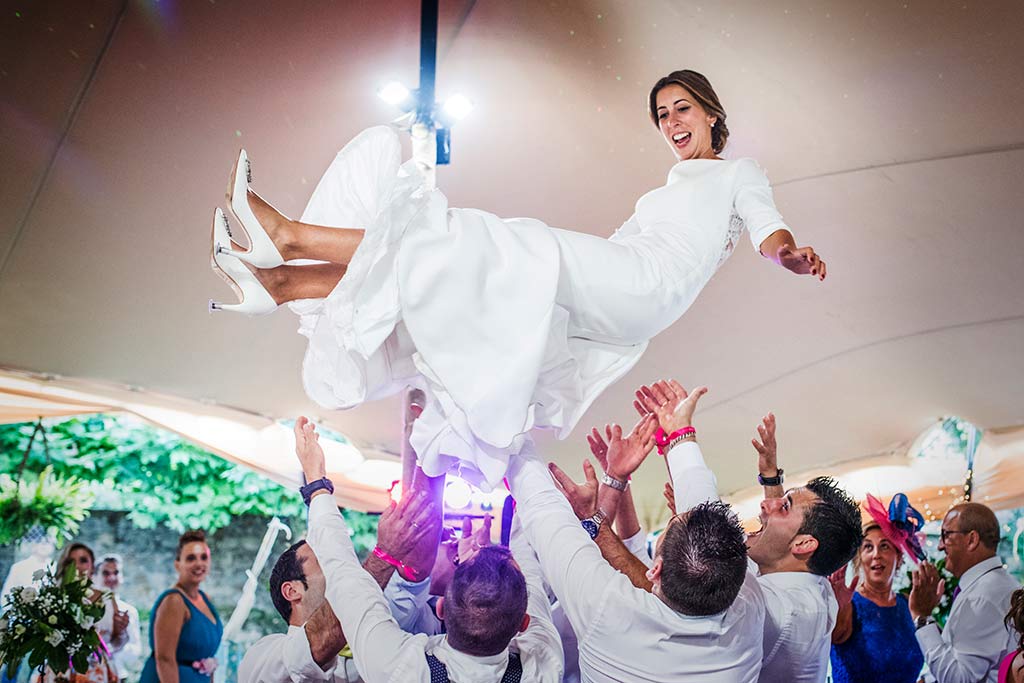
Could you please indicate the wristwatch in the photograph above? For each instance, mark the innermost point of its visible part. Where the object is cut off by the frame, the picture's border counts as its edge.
(923, 621)
(592, 525)
(312, 487)
(616, 484)
(771, 481)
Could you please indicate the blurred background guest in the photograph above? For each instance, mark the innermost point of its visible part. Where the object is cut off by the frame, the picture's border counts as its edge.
(83, 559)
(873, 639)
(119, 617)
(185, 629)
(1012, 668)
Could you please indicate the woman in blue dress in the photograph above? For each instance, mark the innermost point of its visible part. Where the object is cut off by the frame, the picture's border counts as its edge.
(185, 629)
(873, 639)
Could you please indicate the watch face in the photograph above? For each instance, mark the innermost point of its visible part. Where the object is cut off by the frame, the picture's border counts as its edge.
(590, 527)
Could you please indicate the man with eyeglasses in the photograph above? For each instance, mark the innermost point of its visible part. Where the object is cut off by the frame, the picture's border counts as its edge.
(975, 638)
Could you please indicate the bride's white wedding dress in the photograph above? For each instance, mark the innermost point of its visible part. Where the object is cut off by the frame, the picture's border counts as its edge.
(507, 325)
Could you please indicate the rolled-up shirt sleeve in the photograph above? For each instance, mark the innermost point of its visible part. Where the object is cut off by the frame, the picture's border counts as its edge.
(408, 601)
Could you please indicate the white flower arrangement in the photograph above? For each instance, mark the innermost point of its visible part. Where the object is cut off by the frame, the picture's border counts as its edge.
(51, 625)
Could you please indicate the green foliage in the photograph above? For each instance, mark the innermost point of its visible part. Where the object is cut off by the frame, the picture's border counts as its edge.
(53, 624)
(155, 475)
(56, 504)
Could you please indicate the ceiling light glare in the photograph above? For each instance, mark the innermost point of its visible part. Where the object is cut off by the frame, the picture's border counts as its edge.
(394, 93)
(457, 494)
(457, 107)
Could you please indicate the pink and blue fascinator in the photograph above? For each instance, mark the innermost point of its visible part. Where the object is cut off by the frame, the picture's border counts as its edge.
(900, 523)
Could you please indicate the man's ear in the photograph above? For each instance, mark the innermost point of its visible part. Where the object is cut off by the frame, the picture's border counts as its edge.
(654, 573)
(439, 608)
(525, 624)
(290, 592)
(803, 546)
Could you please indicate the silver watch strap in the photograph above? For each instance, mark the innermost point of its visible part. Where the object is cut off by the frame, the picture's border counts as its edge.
(614, 483)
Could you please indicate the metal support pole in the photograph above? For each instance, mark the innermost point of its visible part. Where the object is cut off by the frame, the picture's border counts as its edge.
(428, 62)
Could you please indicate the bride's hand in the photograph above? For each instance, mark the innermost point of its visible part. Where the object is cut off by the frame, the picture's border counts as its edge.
(802, 261)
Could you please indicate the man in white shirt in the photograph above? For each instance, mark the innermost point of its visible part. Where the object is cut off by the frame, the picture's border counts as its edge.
(126, 649)
(309, 651)
(975, 639)
(806, 534)
(705, 617)
(495, 611)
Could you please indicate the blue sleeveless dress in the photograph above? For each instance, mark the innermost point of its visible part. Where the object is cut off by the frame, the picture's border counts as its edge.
(882, 646)
(199, 639)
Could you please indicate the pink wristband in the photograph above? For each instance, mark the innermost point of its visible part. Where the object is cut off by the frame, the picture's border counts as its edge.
(667, 441)
(394, 562)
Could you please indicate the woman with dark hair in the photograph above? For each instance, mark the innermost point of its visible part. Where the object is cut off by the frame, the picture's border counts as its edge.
(1012, 668)
(506, 324)
(185, 629)
(873, 639)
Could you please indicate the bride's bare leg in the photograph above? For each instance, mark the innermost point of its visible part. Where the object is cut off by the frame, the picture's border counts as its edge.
(289, 283)
(296, 240)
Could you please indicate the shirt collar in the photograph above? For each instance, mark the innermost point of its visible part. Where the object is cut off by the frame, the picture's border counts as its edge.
(470, 668)
(971, 576)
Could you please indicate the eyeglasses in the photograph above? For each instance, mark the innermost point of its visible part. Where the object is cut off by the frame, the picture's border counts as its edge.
(946, 533)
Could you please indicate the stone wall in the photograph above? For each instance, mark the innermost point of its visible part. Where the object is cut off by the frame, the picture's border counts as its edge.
(149, 565)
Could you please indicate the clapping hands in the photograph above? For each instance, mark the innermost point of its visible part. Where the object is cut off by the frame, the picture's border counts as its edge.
(844, 592)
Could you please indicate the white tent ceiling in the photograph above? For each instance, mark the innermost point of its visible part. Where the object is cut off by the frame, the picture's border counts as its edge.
(891, 130)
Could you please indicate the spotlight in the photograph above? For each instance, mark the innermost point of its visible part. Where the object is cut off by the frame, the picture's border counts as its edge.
(457, 494)
(394, 93)
(457, 107)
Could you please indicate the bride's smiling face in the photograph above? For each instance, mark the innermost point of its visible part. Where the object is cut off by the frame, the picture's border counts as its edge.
(684, 124)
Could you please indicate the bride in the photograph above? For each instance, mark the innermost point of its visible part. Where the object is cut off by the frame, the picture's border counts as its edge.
(507, 325)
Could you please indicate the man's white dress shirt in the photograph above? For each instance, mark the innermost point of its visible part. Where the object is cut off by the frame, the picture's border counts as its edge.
(284, 657)
(800, 607)
(800, 613)
(975, 639)
(410, 605)
(384, 652)
(627, 634)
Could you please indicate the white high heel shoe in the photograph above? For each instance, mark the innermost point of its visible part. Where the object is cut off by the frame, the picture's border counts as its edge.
(254, 299)
(262, 252)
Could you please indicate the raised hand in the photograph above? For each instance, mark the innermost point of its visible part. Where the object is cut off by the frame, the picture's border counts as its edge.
(409, 532)
(802, 261)
(625, 454)
(598, 447)
(582, 497)
(844, 593)
(307, 448)
(926, 590)
(472, 541)
(669, 402)
(670, 498)
(767, 449)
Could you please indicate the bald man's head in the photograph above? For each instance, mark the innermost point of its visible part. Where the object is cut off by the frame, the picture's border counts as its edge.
(979, 518)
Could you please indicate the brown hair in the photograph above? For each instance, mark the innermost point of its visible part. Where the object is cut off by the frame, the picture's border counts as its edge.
(195, 536)
(1015, 617)
(979, 518)
(700, 87)
(65, 556)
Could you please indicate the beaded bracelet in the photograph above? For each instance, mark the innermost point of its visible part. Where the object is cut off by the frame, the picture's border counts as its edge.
(403, 568)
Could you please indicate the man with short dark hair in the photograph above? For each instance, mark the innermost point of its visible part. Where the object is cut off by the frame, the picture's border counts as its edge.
(496, 613)
(806, 533)
(703, 617)
(309, 651)
(975, 639)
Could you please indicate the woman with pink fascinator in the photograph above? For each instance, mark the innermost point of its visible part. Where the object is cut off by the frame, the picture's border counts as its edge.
(873, 639)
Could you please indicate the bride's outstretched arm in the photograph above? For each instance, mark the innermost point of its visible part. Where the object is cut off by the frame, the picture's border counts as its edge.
(780, 247)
